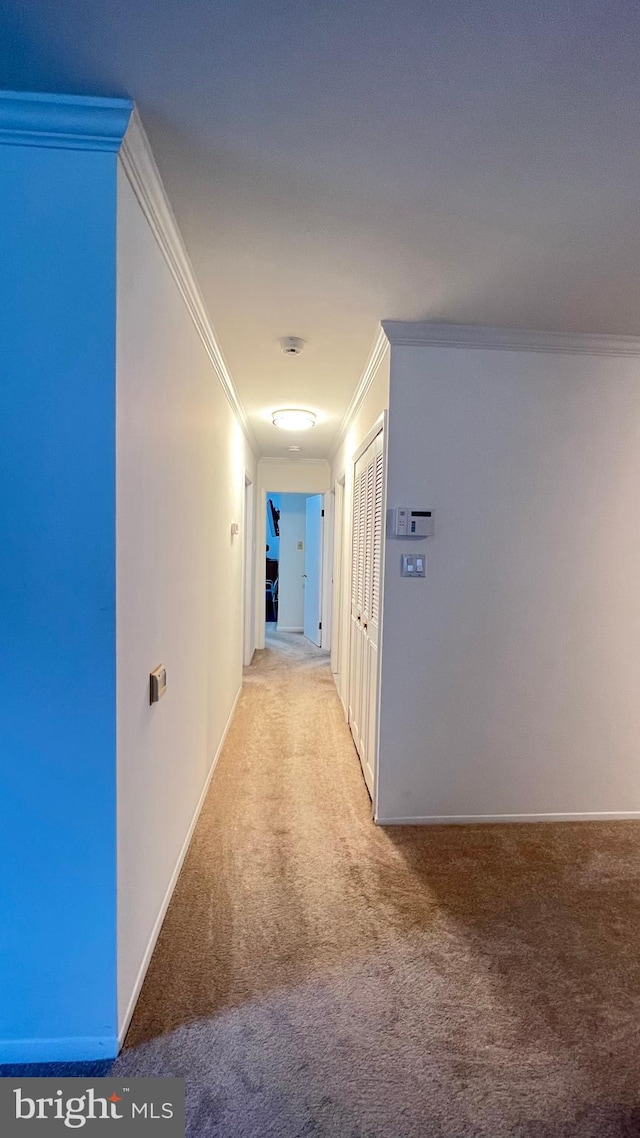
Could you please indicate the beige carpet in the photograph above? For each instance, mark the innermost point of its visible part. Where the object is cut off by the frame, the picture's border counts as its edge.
(317, 975)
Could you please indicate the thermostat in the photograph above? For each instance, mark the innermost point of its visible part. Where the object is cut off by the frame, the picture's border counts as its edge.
(413, 523)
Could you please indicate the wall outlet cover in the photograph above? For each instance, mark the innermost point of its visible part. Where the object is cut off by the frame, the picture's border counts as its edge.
(157, 683)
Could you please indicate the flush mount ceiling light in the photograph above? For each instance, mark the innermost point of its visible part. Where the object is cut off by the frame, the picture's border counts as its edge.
(293, 419)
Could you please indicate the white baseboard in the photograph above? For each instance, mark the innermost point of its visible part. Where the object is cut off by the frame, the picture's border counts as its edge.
(172, 883)
(336, 679)
(76, 1049)
(469, 819)
(284, 628)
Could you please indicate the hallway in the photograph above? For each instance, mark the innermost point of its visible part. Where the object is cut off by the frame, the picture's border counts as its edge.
(379, 260)
(266, 901)
(318, 975)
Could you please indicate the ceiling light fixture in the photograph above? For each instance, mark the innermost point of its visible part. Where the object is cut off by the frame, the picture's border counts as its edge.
(293, 419)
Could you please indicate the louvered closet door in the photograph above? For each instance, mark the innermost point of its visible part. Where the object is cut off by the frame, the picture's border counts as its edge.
(372, 630)
(365, 603)
(357, 578)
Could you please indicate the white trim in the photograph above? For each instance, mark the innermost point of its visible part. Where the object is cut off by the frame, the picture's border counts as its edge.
(372, 434)
(63, 122)
(71, 1049)
(468, 819)
(140, 167)
(283, 628)
(376, 356)
(336, 677)
(261, 542)
(155, 932)
(421, 334)
(248, 570)
(326, 570)
(336, 577)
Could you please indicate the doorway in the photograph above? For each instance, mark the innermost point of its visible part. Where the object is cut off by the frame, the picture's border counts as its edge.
(272, 559)
(293, 568)
(312, 576)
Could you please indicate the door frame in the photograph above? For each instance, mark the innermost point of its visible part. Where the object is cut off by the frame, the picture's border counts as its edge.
(337, 578)
(326, 570)
(322, 576)
(260, 515)
(261, 541)
(248, 571)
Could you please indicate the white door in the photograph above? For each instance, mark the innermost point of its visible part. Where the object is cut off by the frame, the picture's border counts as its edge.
(313, 568)
(365, 603)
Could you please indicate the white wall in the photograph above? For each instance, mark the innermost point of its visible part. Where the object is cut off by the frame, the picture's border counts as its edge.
(57, 577)
(375, 402)
(293, 514)
(286, 477)
(181, 462)
(511, 674)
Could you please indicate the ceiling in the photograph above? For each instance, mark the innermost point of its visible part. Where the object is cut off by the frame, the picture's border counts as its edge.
(332, 164)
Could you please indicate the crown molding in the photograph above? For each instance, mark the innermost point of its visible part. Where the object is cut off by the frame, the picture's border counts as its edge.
(66, 122)
(140, 167)
(425, 334)
(376, 356)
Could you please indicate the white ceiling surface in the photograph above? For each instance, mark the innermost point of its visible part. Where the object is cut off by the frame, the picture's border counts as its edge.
(332, 164)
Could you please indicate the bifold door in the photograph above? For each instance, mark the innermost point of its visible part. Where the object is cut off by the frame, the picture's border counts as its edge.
(365, 603)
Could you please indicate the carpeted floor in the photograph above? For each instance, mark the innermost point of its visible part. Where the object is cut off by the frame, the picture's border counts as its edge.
(316, 975)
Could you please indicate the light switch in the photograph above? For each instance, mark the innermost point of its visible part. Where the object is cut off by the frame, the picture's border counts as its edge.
(413, 565)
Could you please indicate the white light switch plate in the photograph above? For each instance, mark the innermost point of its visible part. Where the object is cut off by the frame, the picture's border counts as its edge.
(413, 565)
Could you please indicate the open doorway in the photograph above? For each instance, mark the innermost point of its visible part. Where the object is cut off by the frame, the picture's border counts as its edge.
(272, 559)
(294, 554)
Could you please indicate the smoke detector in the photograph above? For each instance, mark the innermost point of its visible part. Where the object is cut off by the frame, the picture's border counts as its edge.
(291, 345)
